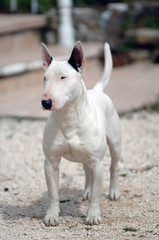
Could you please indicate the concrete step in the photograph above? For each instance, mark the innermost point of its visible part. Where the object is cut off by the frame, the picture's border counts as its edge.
(10, 24)
(18, 32)
(12, 44)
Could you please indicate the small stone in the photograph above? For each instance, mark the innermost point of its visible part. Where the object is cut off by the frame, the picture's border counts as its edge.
(139, 54)
(155, 56)
(143, 36)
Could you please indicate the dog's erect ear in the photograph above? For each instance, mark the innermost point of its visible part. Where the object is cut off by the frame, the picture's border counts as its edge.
(77, 60)
(46, 56)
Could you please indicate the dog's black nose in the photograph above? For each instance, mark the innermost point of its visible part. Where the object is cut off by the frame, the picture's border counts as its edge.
(47, 104)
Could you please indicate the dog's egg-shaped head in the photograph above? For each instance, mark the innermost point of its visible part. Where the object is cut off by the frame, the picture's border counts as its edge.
(62, 79)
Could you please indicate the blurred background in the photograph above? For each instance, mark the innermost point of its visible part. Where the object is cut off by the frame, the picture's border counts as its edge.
(130, 27)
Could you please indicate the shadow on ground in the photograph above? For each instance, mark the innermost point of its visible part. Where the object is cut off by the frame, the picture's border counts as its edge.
(70, 203)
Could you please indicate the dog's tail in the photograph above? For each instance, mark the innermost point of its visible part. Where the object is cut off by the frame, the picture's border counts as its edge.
(107, 69)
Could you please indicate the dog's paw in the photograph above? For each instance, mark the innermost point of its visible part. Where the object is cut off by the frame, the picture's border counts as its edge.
(51, 219)
(114, 194)
(93, 218)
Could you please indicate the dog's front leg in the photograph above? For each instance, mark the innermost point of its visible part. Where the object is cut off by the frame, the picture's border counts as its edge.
(88, 182)
(94, 217)
(51, 168)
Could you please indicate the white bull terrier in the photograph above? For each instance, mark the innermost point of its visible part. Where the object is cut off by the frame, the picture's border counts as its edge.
(80, 126)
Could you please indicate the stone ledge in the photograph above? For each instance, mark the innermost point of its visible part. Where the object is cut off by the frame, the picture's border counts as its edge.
(17, 23)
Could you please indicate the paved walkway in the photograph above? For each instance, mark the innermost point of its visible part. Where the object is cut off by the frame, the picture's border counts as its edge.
(131, 86)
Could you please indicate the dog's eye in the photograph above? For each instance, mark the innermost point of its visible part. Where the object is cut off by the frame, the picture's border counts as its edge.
(63, 77)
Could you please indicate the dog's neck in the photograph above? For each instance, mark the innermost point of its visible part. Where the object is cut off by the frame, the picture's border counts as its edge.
(71, 114)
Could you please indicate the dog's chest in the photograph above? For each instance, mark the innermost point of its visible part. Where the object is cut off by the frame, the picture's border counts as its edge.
(76, 150)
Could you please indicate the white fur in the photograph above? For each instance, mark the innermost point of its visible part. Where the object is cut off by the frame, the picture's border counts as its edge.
(78, 129)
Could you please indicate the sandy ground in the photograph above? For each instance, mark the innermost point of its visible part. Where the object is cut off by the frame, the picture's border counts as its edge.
(23, 192)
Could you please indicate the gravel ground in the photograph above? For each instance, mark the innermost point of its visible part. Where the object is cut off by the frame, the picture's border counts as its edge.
(23, 192)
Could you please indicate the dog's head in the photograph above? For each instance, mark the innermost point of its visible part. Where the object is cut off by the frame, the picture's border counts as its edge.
(62, 79)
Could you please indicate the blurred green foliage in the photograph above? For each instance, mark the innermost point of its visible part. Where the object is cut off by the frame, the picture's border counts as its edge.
(155, 106)
(46, 5)
(82, 3)
(24, 6)
(151, 22)
(4, 5)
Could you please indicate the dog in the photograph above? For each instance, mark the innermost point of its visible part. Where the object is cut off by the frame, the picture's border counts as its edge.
(81, 125)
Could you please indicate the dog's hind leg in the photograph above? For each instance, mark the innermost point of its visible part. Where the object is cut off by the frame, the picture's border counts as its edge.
(114, 191)
(94, 217)
(114, 143)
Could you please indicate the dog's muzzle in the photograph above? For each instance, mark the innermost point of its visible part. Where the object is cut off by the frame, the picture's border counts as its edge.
(47, 104)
